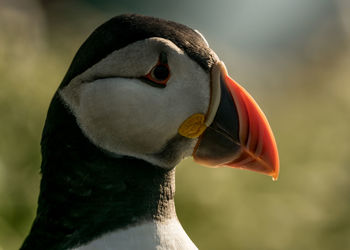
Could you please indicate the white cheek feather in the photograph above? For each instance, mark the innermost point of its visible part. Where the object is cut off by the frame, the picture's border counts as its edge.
(167, 235)
(124, 115)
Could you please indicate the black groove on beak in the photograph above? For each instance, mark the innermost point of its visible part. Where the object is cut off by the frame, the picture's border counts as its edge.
(239, 135)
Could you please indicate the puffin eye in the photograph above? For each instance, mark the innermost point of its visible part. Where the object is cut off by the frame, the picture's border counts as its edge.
(160, 73)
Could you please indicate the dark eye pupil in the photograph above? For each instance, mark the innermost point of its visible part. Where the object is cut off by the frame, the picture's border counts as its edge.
(161, 72)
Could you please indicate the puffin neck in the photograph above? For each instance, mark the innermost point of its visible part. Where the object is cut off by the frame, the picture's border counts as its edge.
(85, 192)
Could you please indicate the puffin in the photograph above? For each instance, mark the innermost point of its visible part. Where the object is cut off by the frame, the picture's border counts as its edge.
(140, 95)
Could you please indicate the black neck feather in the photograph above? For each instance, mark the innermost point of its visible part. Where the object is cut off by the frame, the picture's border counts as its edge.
(85, 192)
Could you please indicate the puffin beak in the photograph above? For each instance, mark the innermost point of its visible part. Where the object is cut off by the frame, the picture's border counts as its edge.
(238, 134)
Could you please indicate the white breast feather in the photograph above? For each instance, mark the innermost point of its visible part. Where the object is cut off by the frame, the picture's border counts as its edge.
(168, 235)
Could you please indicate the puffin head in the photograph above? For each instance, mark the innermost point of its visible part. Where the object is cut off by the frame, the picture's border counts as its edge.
(140, 95)
(154, 90)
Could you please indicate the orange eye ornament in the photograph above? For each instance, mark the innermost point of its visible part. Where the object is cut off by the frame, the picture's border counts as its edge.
(160, 73)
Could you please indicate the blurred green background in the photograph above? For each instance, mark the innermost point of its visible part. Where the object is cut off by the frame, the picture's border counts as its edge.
(292, 55)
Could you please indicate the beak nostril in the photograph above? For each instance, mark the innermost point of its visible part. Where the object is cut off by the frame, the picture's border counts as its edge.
(217, 128)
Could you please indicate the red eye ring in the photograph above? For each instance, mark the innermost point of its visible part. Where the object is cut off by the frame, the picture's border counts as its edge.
(159, 74)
